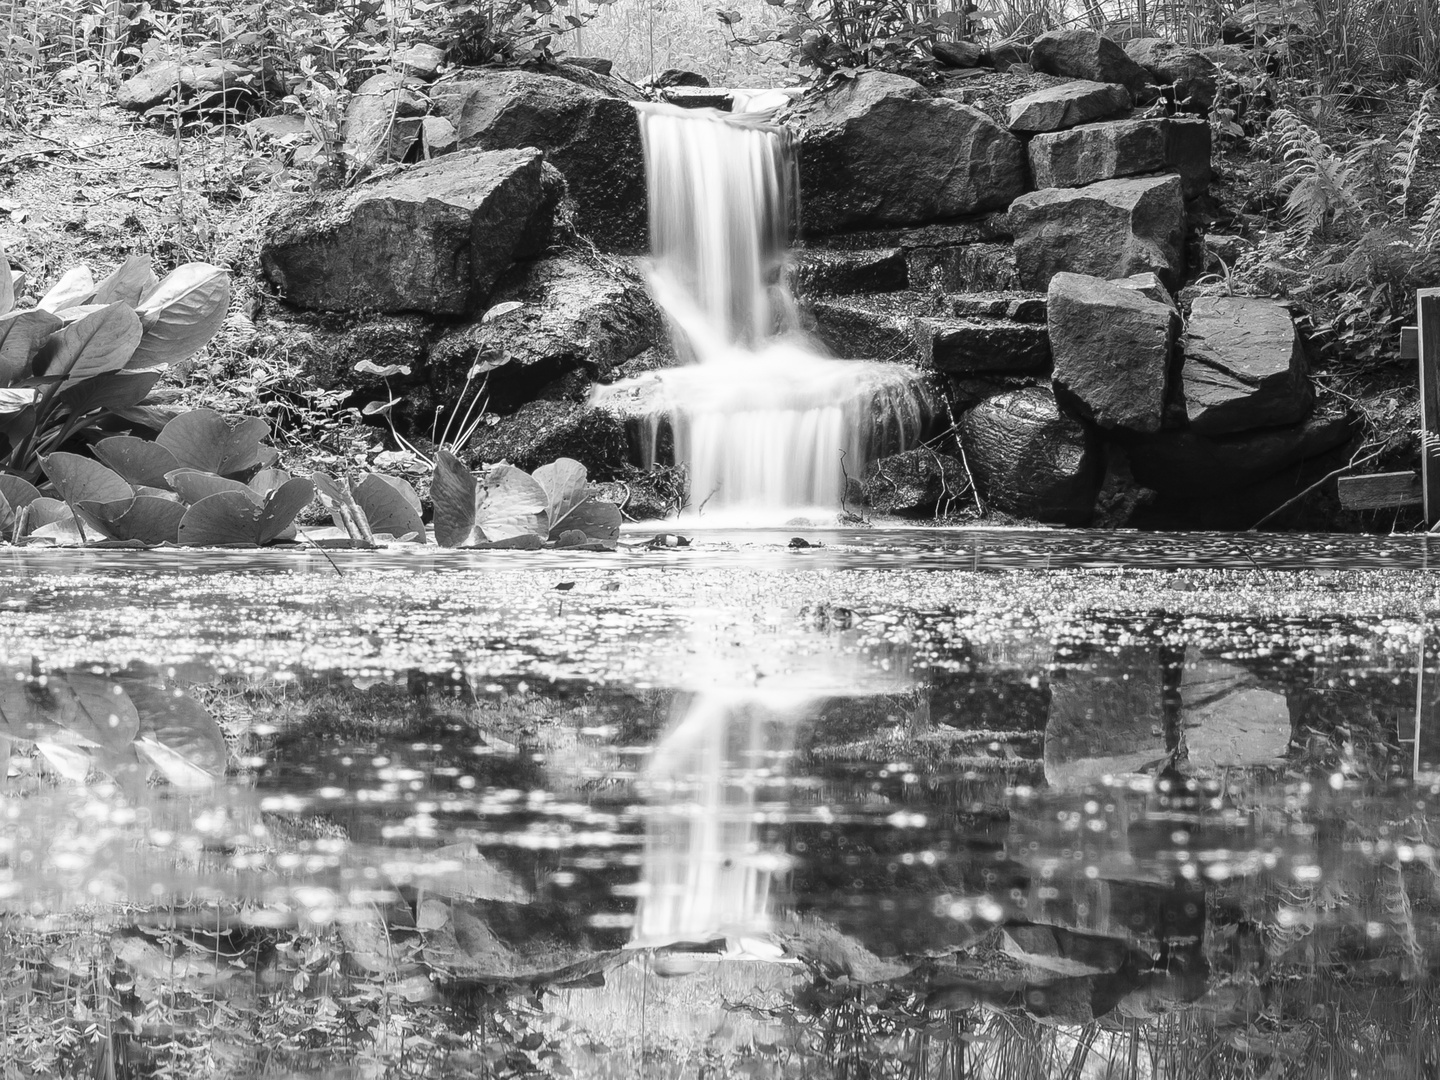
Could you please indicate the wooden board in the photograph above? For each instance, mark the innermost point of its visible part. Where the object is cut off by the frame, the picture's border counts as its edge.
(1409, 343)
(1428, 302)
(1380, 491)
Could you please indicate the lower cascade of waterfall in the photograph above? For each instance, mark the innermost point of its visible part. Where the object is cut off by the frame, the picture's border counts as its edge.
(766, 427)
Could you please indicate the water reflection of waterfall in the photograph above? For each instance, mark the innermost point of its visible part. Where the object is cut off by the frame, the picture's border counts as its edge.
(708, 872)
(763, 424)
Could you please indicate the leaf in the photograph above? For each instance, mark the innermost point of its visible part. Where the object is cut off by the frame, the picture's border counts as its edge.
(192, 485)
(564, 481)
(80, 479)
(452, 493)
(523, 542)
(510, 503)
(75, 286)
(267, 480)
(182, 314)
(22, 333)
(369, 367)
(147, 518)
(71, 762)
(201, 439)
(94, 708)
(110, 393)
(46, 511)
(599, 521)
(126, 283)
(139, 461)
(15, 493)
(230, 518)
(390, 506)
(500, 310)
(101, 342)
(15, 400)
(7, 285)
(182, 739)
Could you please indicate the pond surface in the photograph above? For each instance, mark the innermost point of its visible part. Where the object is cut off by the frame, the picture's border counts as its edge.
(894, 804)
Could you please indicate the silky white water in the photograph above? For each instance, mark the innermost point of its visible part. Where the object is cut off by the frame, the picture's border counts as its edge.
(765, 426)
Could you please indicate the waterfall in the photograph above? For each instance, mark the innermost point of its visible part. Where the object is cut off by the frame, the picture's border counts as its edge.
(765, 426)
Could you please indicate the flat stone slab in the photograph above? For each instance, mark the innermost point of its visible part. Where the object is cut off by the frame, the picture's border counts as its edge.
(1093, 152)
(1066, 105)
(1111, 229)
(980, 346)
(1244, 365)
(820, 271)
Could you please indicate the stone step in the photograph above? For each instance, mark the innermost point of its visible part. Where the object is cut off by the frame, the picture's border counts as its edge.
(825, 272)
(959, 335)
(968, 256)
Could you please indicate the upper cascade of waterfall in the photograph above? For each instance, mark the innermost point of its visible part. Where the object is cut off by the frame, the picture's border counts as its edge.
(723, 194)
(765, 426)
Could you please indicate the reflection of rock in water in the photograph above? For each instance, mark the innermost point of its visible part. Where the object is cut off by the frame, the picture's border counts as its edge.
(707, 871)
(1231, 719)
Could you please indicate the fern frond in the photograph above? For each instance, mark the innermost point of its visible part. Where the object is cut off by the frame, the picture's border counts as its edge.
(1427, 229)
(1406, 158)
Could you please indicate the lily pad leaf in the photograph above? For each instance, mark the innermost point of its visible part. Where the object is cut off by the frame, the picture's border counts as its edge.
(182, 314)
(101, 342)
(510, 503)
(390, 505)
(75, 286)
(46, 511)
(230, 518)
(599, 521)
(564, 481)
(179, 736)
(452, 492)
(71, 762)
(267, 480)
(500, 310)
(523, 542)
(22, 333)
(201, 439)
(81, 480)
(140, 461)
(94, 708)
(146, 518)
(15, 493)
(192, 485)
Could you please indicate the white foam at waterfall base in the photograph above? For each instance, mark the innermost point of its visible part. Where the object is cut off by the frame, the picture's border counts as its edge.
(765, 426)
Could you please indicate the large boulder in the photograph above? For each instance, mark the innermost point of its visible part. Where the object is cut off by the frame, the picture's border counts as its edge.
(542, 431)
(197, 80)
(1093, 152)
(1106, 718)
(1112, 349)
(572, 314)
(1244, 365)
(1192, 75)
(1029, 458)
(1064, 106)
(879, 150)
(1111, 229)
(430, 238)
(590, 135)
(1088, 54)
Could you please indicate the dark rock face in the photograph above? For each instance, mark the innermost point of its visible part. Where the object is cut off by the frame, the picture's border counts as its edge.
(1093, 152)
(328, 350)
(1244, 366)
(1111, 229)
(1088, 54)
(591, 136)
(1187, 463)
(1192, 74)
(538, 433)
(840, 273)
(1030, 459)
(1058, 107)
(867, 327)
(432, 238)
(878, 150)
(916, 483)
(574, 314)
(962, 268)
(1105, 717)
(1112, 348)
(982, 346)
(958, 54)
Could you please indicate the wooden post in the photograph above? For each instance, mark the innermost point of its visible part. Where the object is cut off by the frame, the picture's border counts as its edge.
(1428, 301)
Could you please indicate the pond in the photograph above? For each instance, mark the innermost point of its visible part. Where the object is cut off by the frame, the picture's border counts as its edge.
(857, 804)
